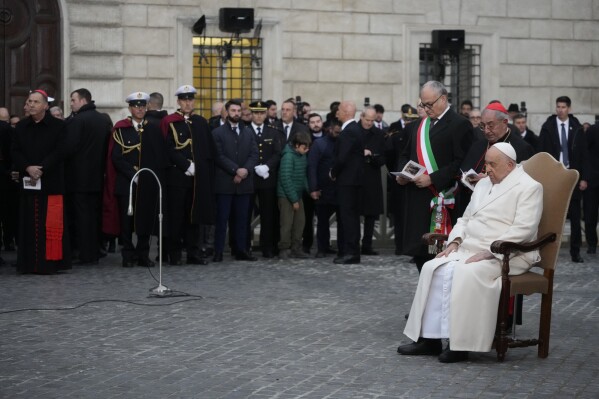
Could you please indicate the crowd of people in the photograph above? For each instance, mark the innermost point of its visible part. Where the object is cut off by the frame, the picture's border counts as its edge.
(245, 161)
(71, 187)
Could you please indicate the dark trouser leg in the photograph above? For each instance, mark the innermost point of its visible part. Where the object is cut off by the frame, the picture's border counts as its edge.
(591, 211)
(241, 210)
(142, 247)
(176, 214)
(340, 233)
(575, 229)
(350, 218)
(126, 237)
(308, 231)
(323, 231)
(268, 209)
(223, 209)
(421, 260)
(86, 212)
(368, 231)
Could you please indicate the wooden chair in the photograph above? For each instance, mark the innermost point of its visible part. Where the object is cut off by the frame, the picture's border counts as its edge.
(558, 185)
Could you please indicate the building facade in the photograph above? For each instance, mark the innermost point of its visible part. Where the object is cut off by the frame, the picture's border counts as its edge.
(517, 50)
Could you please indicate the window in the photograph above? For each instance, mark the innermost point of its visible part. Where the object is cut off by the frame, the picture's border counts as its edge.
(459, 72)
(226, 68)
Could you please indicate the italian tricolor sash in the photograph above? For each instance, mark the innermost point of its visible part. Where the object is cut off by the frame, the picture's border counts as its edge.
(442, 200)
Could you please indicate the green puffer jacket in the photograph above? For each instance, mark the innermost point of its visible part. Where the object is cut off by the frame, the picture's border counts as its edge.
(293, 176)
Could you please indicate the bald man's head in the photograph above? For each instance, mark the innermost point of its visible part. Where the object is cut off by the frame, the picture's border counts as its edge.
(347, 111)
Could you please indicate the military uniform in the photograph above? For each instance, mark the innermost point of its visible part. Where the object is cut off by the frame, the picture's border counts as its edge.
(134, 145)
(191, 206)
(270, 144)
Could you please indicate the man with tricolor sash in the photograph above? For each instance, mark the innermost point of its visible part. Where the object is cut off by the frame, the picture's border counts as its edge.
(439, 143)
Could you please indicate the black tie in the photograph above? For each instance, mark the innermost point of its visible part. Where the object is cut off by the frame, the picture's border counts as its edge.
(565, 146)
(139, 126)
(259, 131)
(434, 121)
(287, 131)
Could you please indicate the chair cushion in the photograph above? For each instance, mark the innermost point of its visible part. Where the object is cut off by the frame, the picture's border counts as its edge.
(528, 283)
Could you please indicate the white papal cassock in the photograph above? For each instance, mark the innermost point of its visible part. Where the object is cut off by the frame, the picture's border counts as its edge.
(510, 210)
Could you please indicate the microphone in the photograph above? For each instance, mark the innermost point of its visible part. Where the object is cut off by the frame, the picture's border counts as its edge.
(130, 208)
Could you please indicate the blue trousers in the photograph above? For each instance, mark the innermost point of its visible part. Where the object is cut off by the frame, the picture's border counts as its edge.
(238, 205)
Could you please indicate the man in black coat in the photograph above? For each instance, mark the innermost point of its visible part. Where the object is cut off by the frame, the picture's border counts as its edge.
(496, 130)
(447, 136)
(38, 152)
(287, 124)
(270, 144)
(9, 190)
(591, 194)
(135, 144)
(155, 113)
(323, 190)
(395, 142)
(348, 172)
(372, 189)
(562, 136)
(87, 139)
(236, 157)
(191, 178)
(528, 135)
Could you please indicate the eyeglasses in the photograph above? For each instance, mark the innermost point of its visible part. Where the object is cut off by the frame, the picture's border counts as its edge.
(430, 106)
(485, 126)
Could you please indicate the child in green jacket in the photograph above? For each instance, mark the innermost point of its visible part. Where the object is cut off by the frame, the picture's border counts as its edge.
(293, 181)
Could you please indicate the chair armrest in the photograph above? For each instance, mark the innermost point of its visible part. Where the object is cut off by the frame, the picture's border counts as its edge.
(432, 238)
(507, 247)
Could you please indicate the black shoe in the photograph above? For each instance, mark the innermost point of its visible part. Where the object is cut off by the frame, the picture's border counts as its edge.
(449, 356)
(577, 259)
(347, 260)
(424, 347)
(145, 263)
(299, 255)
(592, 250)
(128, 263)
(268, 254)
(330, 251)
(218, 257)
(245, 256)
(407, 316)
(369, 251)
(194, 260)
(320, 254)
(306, 250)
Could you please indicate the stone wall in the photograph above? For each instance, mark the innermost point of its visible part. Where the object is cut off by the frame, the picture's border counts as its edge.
(533, 50)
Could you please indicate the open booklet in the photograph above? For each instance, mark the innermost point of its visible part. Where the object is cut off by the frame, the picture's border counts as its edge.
(411, 171)
(466, 176)
(30, 184)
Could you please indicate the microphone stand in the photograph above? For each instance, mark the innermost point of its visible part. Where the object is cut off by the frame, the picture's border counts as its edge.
(160, 290)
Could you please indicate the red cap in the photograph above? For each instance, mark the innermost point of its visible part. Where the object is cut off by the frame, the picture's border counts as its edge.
(497, 107)
(43, 93)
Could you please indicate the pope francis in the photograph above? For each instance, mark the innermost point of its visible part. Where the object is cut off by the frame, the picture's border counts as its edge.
(458, 291)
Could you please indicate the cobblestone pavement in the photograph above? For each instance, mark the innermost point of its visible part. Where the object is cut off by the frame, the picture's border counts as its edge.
(271, 329)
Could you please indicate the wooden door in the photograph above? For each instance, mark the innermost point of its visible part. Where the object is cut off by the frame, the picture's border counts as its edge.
(30, 56)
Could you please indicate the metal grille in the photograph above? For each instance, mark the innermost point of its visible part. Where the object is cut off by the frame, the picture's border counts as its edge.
(226, 68)
(459, 72)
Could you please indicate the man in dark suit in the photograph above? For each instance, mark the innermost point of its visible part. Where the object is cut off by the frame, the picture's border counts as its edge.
(372, 188)
(496, 130)
(237, 155)
(440, 143)
(87, 139)
(562, 137)
(591, 194)
(287, 123)
(528, 135)
(348, 171)
(270, 144)
(394, 146)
